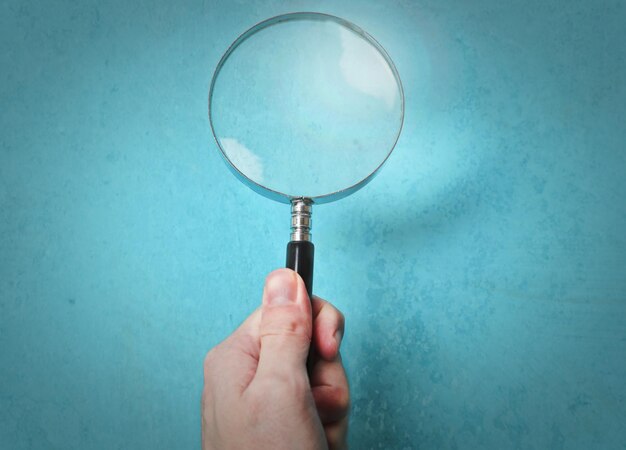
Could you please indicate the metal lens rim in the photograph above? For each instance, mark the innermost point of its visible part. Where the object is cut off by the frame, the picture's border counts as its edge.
(264, 190)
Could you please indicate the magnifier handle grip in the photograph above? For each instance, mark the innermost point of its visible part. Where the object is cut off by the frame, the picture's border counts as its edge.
(300, 256)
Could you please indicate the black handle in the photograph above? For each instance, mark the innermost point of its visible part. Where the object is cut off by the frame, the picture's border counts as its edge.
(300, 256)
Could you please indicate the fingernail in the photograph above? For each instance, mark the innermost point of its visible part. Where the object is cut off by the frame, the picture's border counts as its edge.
(281, 288)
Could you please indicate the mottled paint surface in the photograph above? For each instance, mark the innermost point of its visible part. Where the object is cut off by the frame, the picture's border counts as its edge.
(482, 274)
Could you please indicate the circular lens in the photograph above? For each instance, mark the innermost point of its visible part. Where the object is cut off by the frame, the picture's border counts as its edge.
(306, 105)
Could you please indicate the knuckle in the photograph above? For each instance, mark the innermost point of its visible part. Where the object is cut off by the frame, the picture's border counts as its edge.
(341, 319)
(334, 315)
(281, 325)
(210, 362)
(343, 399)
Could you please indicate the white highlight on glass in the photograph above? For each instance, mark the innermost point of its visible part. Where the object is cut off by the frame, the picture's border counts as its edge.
(243, 158)
(365, 69)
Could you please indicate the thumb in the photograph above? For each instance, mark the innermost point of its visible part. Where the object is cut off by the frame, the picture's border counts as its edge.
(286, 324)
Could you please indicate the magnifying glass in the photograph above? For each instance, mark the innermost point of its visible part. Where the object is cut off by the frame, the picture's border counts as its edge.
(305, 109)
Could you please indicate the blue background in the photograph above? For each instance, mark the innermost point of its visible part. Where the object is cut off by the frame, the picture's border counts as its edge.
(482, 274)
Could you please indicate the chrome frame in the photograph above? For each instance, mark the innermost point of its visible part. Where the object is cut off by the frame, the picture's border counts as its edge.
(280, 196)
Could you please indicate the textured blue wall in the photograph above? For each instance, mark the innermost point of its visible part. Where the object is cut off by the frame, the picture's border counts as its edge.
(483, 273)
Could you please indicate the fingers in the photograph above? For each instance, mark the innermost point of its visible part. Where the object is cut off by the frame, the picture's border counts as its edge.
(275, 339)
(329, 383)
(285, 326)
(336, 434)
(331, 393)
(328, 328)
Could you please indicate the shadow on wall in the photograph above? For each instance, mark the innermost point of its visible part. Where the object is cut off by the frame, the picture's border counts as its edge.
(401, 368)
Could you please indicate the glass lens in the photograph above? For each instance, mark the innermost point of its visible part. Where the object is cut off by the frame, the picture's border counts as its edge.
(306, 107)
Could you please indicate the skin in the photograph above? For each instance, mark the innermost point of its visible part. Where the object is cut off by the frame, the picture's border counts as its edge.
(257, 390)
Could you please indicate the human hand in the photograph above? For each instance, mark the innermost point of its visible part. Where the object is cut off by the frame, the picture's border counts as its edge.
(257, 392)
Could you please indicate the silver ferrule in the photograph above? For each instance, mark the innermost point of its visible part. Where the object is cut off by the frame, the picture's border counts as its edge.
(301, 219)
